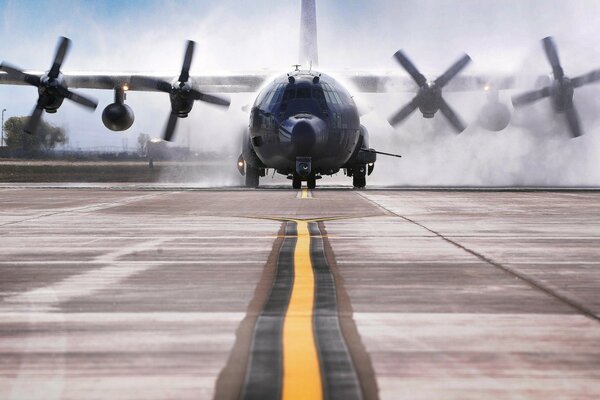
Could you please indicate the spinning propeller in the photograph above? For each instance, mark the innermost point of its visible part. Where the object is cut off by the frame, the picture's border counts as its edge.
(51, 87)
(181, 92)
(429, 98)
(561, 90)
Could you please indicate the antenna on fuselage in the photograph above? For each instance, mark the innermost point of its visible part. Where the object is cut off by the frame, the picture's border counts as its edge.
(296, 67)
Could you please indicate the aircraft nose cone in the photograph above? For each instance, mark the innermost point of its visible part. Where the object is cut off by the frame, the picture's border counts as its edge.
(303, 136)
(305, 133)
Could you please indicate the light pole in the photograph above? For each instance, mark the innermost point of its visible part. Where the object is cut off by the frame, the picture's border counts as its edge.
(2, 142)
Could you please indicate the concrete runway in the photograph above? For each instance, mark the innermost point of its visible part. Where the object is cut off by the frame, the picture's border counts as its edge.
(176, 293)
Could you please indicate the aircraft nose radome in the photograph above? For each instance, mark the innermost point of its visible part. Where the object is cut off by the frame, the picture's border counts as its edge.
(305, 133)
(303, 136)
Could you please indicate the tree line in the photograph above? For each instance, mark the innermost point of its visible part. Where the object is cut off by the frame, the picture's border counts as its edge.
(46, 138)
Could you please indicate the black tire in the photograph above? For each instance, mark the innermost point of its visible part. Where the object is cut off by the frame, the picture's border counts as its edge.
(359, 176)
(311, 182)
(252, 177)
(296, 182)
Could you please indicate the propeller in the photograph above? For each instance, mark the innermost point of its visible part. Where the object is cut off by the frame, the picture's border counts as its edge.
(51, 87)
(181, 92)
(429, 98)
(561, 90)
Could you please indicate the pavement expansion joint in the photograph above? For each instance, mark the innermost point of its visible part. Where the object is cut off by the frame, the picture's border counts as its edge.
(532, 282)
(297, 348)
(312, 219)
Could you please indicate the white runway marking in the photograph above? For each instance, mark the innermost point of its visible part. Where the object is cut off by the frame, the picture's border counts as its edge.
(47, 386)
(112, 317)
(149, 262)
(46, 298)
(88, 208)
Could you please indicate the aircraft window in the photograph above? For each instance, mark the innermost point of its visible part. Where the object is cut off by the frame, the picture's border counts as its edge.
(332, 96)
(278, 94)
(262, 95)
(337, 97)
(303, 93)
(269, 96)
(318, 94)
(289, 94)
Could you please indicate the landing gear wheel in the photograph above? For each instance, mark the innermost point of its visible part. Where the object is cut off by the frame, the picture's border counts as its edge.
(311, 182)
(252, 176)
(296, 182)
(359, 174)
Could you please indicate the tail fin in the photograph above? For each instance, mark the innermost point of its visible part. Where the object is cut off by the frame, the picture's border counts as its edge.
(308, 34)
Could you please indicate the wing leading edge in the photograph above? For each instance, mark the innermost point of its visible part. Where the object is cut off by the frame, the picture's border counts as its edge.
(247, 82)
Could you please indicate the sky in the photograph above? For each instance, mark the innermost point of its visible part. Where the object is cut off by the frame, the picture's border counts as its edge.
(502, 36)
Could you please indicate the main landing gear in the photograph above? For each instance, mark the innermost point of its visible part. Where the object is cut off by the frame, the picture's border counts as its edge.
(252, 176)
(359, 176)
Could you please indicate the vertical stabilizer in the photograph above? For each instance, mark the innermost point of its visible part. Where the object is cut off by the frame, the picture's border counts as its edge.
(308, 34)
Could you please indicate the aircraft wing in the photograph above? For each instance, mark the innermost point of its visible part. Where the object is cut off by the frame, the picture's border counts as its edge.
(386, 82)
(219, 82)
(251, 81)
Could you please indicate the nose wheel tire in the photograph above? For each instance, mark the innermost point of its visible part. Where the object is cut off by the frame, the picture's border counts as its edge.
(359, 177)
(252, 176)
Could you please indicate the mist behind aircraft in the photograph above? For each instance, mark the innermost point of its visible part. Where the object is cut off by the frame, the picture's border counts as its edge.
(501, 36)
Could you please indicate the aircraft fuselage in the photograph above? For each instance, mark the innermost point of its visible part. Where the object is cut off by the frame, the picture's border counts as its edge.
(304, 115)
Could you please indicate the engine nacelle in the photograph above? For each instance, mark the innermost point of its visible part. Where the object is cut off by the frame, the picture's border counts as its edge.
(494, 116)
(48, 89)
(181, 101)
(118, 117)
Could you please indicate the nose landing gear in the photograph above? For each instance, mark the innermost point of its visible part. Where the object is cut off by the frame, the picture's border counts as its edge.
(311, 181)
(304, 172)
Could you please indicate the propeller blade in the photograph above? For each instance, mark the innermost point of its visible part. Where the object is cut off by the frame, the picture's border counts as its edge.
(453, 71)
(209, 98)
(585, 79)
(552, 55)
(187, 62)
(34, 120)
(148, 83)
(404, 112)
(171, 124)
(454, 119)
(19, 74)
(77, 98)
(530, 97)
(573, 122)
(410, 68)
(59, 57)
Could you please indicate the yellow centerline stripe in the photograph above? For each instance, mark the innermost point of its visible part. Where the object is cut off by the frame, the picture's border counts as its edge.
(301, 369)
(304, 194)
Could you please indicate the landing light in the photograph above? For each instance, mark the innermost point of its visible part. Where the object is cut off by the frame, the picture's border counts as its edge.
(125, 87)
(487, 88)
(371, 164)
(240, 164)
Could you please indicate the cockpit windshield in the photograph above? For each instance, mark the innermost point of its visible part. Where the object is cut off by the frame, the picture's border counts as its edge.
(305, 93)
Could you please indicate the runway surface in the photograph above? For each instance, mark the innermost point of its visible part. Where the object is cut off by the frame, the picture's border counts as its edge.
(162, 293)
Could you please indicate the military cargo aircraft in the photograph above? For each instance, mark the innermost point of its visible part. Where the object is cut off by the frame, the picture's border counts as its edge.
(304, 123)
